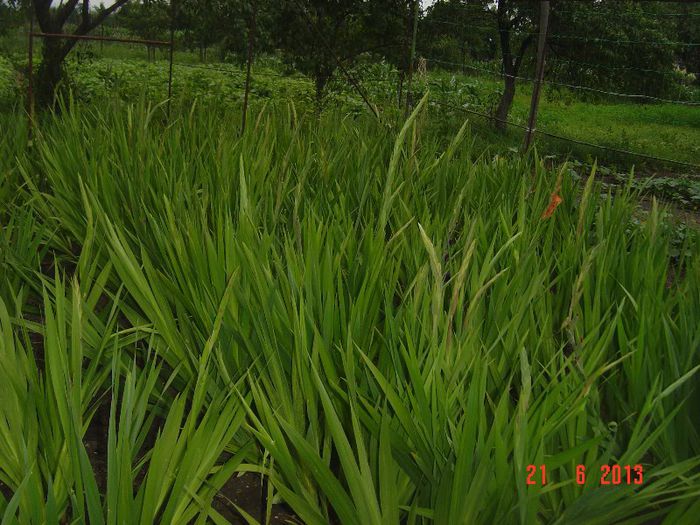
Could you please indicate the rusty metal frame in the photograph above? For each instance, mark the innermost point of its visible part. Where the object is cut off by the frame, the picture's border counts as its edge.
(66, 36)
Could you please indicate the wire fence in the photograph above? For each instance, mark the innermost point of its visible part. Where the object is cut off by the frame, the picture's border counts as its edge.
(479, 70)
(580, 38)
(564, 84)
(356, 80)
(562, 138)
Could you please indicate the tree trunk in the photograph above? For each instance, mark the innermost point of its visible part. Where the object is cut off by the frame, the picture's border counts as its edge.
(501, 114)
(50, 72)
(511, 63)
(55, 50)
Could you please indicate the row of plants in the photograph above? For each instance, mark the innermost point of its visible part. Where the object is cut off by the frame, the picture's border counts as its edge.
(663, 131)
(91, 79)
(381, 329)
(685, 191)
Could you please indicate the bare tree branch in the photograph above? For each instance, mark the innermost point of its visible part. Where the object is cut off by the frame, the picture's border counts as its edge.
(104, 14)
(64, 12)
(86, 11)
(87, 23)
(521, 53)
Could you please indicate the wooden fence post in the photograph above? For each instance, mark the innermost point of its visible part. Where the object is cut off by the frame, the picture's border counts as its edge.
(30, 73)
(249, 63)
(170, 55)
(534, 103)
(412, 59)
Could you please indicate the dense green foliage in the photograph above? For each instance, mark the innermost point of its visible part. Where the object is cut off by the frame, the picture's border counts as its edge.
(634, 38)
(664, 130)
(605, 49)
(10, 15)
(387, 332)
(8, 84)
(222, 87)
(602, 49)
(633, 47)
(630, 47)
(376, 318)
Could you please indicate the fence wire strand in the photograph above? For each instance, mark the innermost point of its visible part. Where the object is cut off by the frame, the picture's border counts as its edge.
(566, 139)
(467, 26)
(570, 86)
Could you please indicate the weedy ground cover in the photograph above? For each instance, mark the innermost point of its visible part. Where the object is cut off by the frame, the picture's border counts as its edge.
(381, 328)
(661, 130)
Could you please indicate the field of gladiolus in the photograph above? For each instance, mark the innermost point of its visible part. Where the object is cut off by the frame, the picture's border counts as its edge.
(326, 320)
